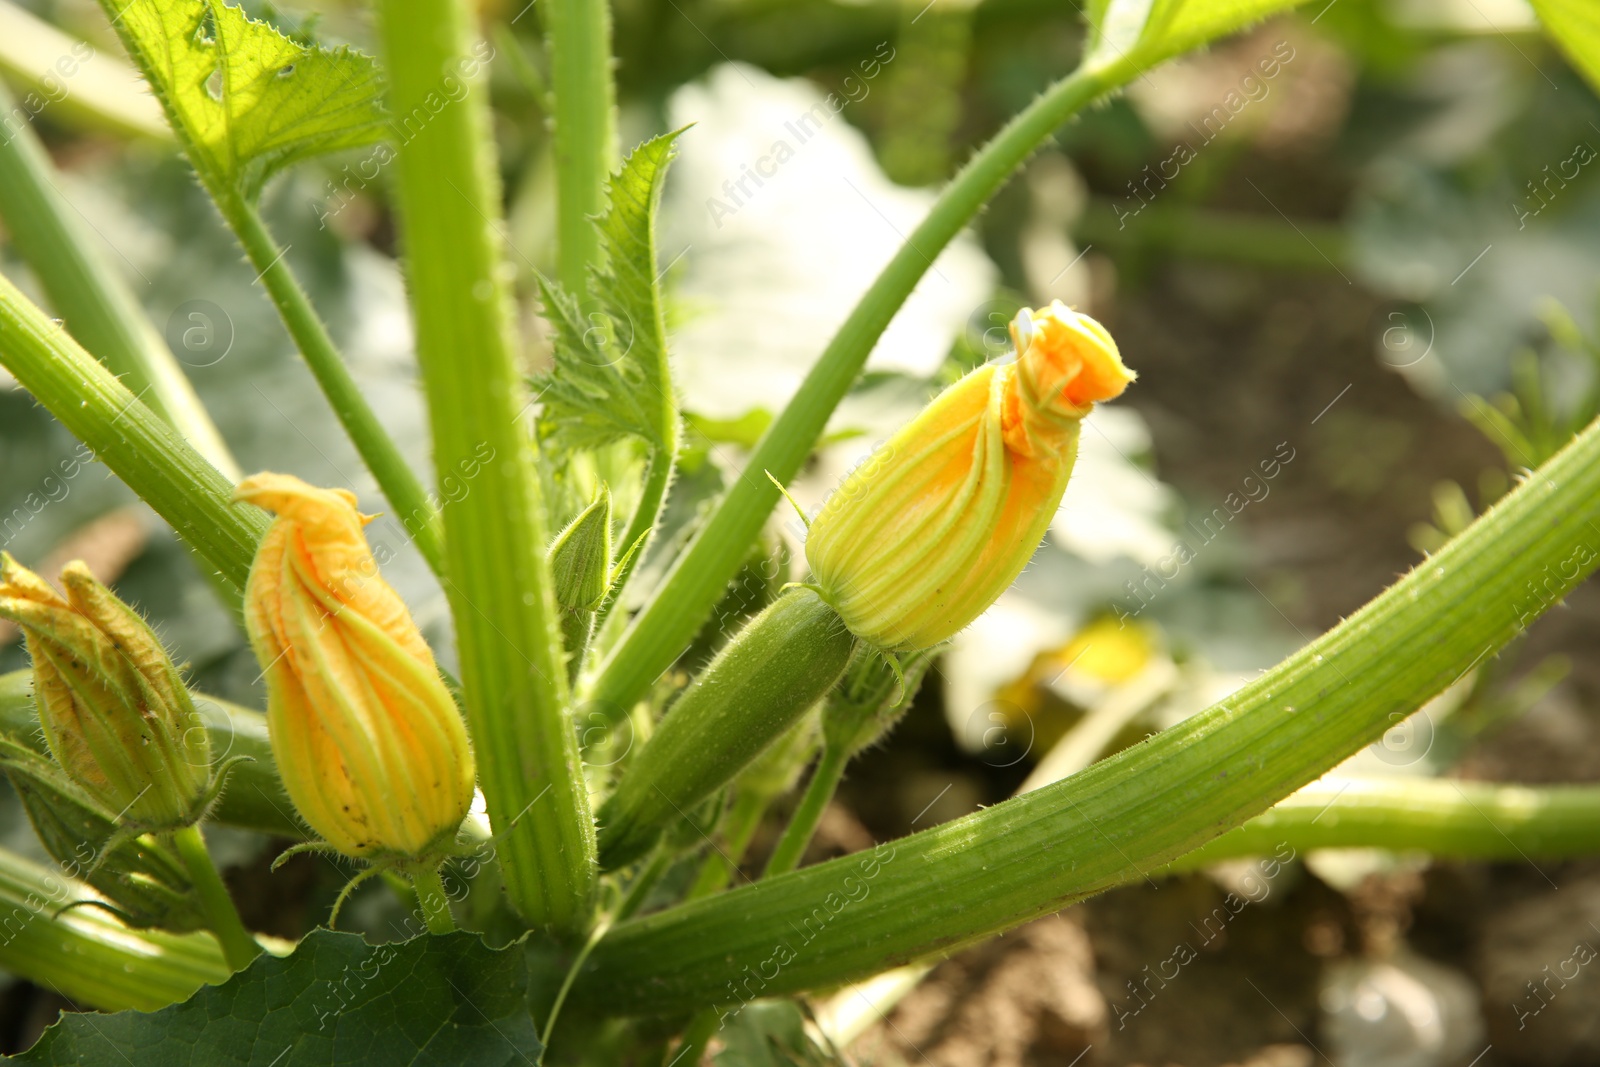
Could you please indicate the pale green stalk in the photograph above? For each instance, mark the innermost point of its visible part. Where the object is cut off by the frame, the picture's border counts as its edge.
(90, 295)
(395, 477)
(133, 441)
(86, 953)
(496, 574)
(238, 947)
(579, 35)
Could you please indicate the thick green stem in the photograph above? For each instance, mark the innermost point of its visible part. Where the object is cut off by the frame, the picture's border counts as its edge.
(1460, 820)
(254, 797)
(86, 953)
(579, 33)
(433, 901)
(238, 946)
(766, 678)
(137, 444)
(496, 573)
(1129, 815)
(699, 576)
(88, 293)
(803, 824)
(399, 482)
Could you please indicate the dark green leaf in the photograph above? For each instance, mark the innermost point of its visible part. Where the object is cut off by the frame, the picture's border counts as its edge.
(446, 1000)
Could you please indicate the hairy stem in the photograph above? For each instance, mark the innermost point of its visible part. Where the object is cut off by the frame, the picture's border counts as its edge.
(579, 33)
(399, 482)
(138, 445)
(497, 576)
(96, 304)
(433, 901)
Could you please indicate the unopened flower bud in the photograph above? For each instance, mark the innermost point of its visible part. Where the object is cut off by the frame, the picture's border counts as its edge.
(580, 575)
(367, 738)
(931, 529)
(113, 708)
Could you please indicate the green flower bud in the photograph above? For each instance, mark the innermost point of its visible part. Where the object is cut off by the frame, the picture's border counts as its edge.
(113, 708)
(580, 573)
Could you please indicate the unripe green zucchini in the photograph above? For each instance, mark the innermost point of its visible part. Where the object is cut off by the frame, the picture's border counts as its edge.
(758, 685)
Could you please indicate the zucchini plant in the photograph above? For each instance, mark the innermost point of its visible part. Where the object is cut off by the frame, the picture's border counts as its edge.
(530, 809)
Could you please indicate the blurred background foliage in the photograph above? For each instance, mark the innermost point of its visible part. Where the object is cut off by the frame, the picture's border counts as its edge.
(1353, 254)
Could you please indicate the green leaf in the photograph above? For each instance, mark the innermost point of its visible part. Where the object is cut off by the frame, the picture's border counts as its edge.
(444, 1000)
(771, 1034)
(245, 100)
(611, 379)
(591, 396)
(1575, 25)
(1141, 33)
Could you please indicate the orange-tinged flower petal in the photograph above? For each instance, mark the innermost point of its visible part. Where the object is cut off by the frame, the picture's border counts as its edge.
(925, 535)
(368, 740)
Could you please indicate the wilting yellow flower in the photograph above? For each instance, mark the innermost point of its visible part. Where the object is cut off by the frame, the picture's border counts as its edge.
(367, 738)
(113, 708)
(925, 535)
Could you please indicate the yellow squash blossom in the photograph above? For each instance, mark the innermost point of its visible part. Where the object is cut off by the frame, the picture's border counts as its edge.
(368, 740)
(113, 708)
(928, 532)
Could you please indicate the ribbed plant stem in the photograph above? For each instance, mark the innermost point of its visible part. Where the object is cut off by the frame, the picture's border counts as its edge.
(496, 574)
(238, 946)
(803, 824)
(399, 483)
(88, 293)
(1457, 819)
(138, 445)
(699, 576)
(1127, 816)
(579, 34)
(87, 954)
(433, 901)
